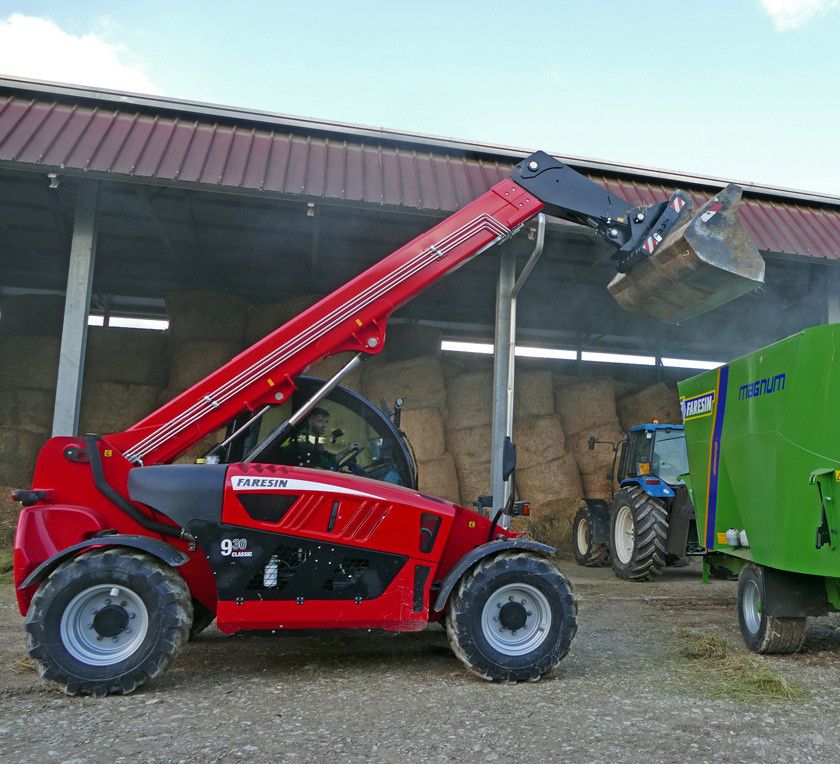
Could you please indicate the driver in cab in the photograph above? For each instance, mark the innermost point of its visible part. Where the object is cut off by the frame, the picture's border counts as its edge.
(307, 449)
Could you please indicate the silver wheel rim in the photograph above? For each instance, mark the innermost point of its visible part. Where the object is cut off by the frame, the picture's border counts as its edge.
(582, 530)
(624, 535)
(537, 621)
(81, 634)
(751, 607)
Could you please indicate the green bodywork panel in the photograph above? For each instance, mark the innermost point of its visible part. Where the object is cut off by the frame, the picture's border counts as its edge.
(763, 440)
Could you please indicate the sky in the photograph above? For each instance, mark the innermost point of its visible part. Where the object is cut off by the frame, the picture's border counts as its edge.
(744, 90)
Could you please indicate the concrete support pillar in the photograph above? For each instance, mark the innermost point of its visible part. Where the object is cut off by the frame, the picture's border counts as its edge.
(833, 295)
(76, 309)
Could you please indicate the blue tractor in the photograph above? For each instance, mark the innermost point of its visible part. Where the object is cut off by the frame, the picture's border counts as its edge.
(650, 521)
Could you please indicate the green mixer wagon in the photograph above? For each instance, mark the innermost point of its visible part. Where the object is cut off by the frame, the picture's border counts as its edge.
(763, 440)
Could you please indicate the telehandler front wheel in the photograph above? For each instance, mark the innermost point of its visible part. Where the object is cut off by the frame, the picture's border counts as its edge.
(765, 633)
(638, 535)
(107, 622)
(512, 618)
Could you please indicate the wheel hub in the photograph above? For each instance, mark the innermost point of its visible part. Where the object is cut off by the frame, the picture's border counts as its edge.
(513, 615)
(110, 621)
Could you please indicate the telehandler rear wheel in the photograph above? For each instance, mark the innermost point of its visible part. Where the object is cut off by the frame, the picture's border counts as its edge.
(638, 535)
(765, 633)
(587, 553)
(108, 621)
(512, 618)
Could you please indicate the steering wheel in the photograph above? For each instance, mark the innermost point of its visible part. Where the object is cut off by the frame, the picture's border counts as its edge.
(350, 456)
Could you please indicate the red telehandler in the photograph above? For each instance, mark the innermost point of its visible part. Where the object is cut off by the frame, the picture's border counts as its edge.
(120, 555)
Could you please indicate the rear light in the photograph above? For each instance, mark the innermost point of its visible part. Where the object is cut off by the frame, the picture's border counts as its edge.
(652, 482)
(521, 509)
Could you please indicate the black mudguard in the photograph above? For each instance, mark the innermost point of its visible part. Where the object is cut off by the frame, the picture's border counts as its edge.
(599, 520)
(152, 546)
(480, 552)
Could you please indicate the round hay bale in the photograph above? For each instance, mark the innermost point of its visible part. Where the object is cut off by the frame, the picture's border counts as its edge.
(473, 481)
(25, 409)
(327, 367)
(470, 445)
(40, 314)
(192, 361)
(418, 382)
(555, 479)
(598, 485)
(17, 474)
(264, 319)
(438, 477)
(214, 316)
(469, 399)
(29, 361)
(404, 341)
(424, 429)
(20, 447)
(533, 394)
(113, 406)
(538, 439)
(552, 522)
(586, 405)
(600, 458)
(657, 402)
(126, 355)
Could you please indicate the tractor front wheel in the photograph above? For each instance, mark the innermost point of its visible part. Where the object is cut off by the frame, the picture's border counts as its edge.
(765, 633)
(588, 553)
(512, 618)
(108, 621)
(638, 535)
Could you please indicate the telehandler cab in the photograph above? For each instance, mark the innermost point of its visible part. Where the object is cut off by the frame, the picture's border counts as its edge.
(120, 554)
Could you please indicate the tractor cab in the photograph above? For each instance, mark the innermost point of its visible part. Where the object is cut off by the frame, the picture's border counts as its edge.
(654, 456)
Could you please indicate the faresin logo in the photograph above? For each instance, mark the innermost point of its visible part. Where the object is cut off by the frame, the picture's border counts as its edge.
(699, 405)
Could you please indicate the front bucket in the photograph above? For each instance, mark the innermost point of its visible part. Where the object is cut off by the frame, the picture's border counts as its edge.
(702, 264)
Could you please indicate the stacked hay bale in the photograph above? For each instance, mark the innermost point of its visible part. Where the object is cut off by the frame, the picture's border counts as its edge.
(419, 382)
(657, 402)
(30, 327)
(262, 319)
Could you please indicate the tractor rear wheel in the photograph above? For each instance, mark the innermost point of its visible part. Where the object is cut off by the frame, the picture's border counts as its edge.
(765, 633)
(638, 535)
(512, 618)
(108, 621)
(587, 553)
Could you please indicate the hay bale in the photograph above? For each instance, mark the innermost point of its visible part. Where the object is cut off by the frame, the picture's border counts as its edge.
(192, 361)
(114, 406)
(326, 367)
(533, 394)
(19, 446)
(424, 429)
(471, 445)
(126, 355)
(469, 399)
(9, 511)
(538, 439)
(657, 402)
(17, 474)
(600, 458)
(555, 479)
(586, 405)
(25, 409)
(551, 523)
(418, 382)
(29, 361)
(439, 478)
(197, 315)
(473, 481)
(264, 319)
(404, 341)
(40, 314)
(598, 485)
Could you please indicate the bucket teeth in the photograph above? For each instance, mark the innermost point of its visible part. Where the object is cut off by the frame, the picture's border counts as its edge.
(706, 261)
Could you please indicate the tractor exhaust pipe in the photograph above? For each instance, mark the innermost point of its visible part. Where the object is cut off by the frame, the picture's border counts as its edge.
(701, 264)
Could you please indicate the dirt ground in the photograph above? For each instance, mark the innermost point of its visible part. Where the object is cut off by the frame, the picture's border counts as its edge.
(618, 697)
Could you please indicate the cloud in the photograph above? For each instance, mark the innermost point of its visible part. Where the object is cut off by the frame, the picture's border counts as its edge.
(792, 14)
(36, 48)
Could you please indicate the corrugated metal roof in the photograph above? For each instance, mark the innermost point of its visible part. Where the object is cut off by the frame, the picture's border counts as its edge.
(125, 140)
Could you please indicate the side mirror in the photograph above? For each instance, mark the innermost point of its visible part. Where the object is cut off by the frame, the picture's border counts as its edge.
(591, 442)
(508, 458)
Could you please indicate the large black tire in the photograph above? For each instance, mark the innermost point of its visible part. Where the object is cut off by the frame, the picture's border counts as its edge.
(202, 618)
(765, 633)
(587, 553)
(512, 618)
(108, 621)
(642, 524)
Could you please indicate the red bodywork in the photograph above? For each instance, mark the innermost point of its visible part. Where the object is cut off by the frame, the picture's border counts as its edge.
(350, 319)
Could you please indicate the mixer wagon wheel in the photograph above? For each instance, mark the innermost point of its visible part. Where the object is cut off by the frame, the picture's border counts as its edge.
(638, 535)
(765, 633)
(589, 553)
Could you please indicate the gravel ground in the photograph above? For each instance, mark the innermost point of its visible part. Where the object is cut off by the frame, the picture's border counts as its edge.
(353, 696)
